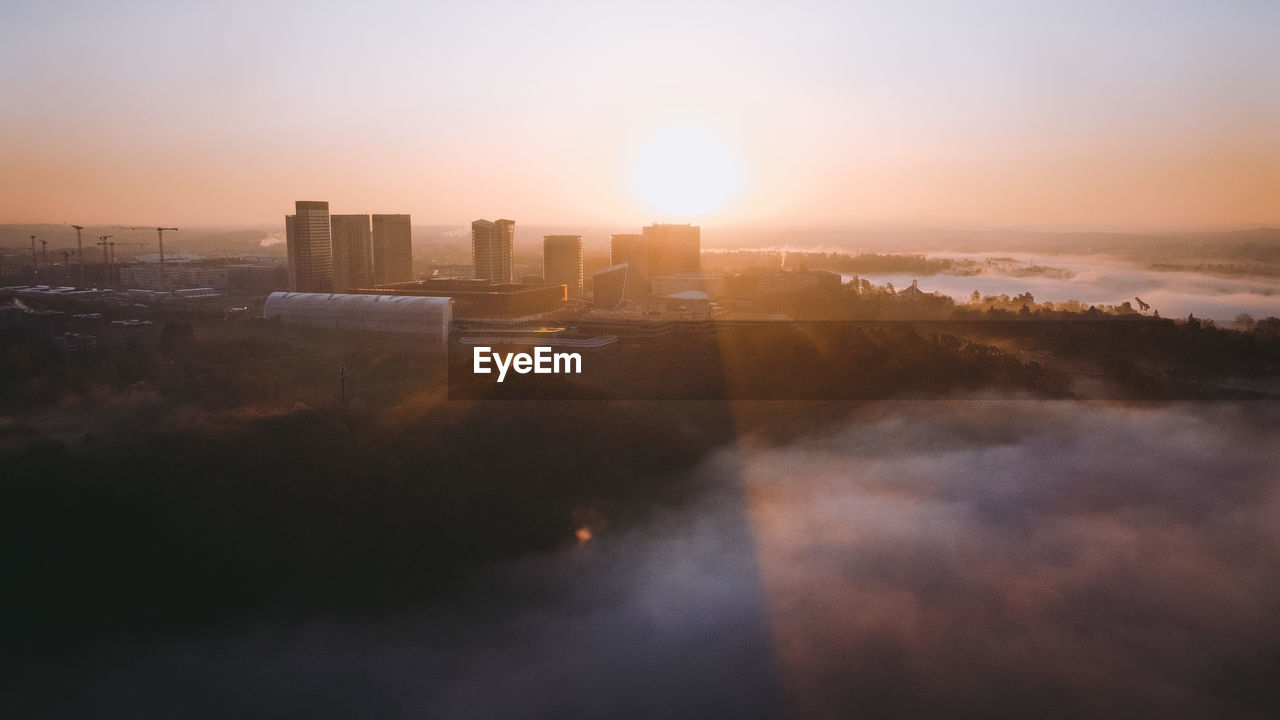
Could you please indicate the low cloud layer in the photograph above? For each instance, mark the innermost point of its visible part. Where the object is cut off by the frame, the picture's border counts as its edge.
(1022, 558)
(1097, 279)
(956, 559)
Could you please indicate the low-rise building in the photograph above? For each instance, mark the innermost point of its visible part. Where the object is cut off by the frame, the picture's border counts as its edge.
(430, 317)
(478, 300)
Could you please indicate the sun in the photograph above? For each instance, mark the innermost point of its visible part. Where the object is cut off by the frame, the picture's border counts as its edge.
(685, 171)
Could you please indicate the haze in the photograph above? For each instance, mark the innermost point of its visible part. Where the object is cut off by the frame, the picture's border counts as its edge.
(941, 559)
(993, 113)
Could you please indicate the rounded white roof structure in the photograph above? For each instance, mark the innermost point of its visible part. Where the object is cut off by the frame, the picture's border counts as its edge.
(690, 295)
(382, 313)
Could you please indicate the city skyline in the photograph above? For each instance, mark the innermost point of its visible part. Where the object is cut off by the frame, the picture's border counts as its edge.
(1145, 115)
(335, 252)
(800, 359)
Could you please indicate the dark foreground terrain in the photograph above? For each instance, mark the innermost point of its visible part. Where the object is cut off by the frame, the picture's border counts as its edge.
(253, 520)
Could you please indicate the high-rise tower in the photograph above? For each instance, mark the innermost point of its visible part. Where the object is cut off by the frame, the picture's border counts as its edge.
(392, 249)
(562, 262)
(310, 247)
(674, 249)
(492, 249)
(629, 248)
(351, 252)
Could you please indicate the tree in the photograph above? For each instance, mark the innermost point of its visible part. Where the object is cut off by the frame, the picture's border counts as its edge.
(176, 336)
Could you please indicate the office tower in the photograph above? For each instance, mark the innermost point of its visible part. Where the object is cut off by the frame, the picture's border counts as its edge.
(562, 262)
(310, 247)
(673, 249)
(392, 249)
(351, 252)
(492, 248)
(629, 248)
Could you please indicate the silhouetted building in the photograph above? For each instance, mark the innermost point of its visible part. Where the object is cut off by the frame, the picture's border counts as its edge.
(616, 285)
(621, 324)
(673, 249)
(351, 251)
(175, 275)
(562, 262)
(429, 316)
(392, 249)
(130, 332)
(629, 248)
(74, 343)
(492, 249)
(913, 291)
(659, 250)
(478, 300)
(310, 247)
(781, 282)
(263, 276)
(712, 285)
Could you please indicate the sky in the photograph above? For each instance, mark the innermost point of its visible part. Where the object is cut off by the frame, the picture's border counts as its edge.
(991, 113)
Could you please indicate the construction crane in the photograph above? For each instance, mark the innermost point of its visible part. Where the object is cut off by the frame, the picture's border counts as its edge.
(160, 234)
(80, 251)
(44, 251)
(122, 243)
(102, 242)
(35, 261)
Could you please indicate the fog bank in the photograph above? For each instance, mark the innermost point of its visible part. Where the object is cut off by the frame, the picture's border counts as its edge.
(957, 559)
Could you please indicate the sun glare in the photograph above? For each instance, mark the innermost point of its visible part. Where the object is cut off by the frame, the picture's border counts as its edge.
(683, 172)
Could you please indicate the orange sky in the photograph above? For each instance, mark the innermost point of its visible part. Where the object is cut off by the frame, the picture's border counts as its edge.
(1133, 113)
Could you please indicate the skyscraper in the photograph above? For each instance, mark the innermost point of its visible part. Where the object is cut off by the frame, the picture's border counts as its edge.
(562, 262)
(629, 248)
(674, 249)
(351, 252)
(392, 249)
(659, 250)
(310, 247)
(492, 248)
